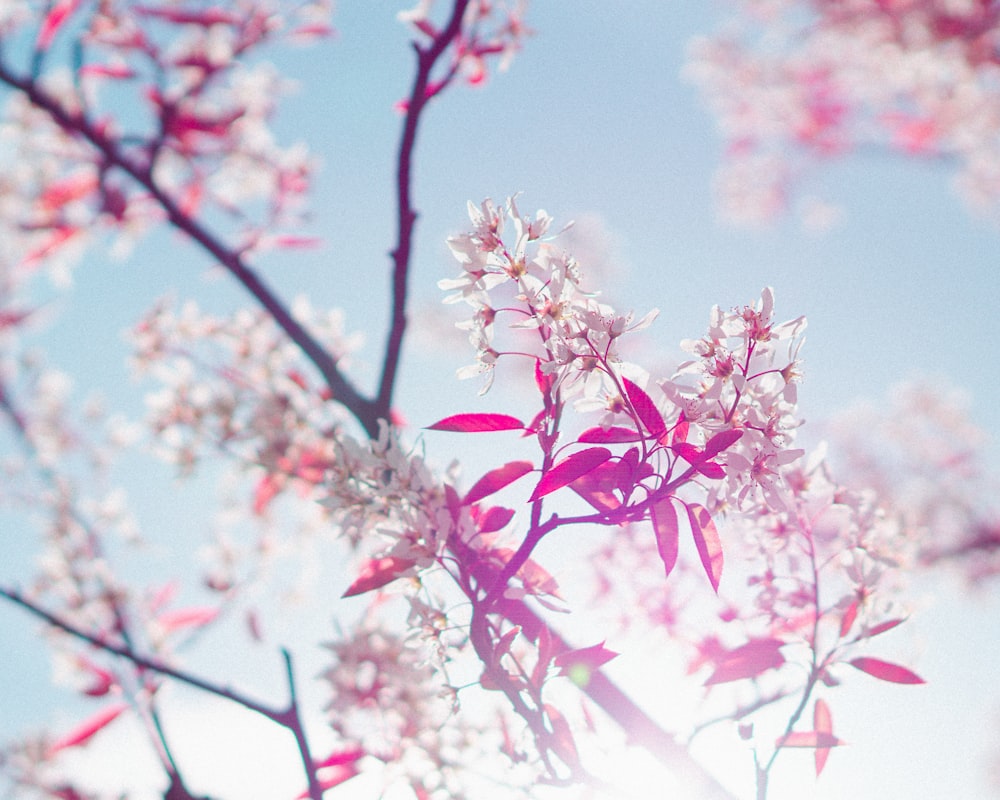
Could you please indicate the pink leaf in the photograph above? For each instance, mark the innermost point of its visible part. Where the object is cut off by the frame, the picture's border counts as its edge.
(340, 757)
(377, 573)
(477, 423)
(54, 20)
(590, 658)
(722, 441)
(747, 661)
(596, 487)
(680, 430)
(493, 519)
(710, 470)
(612, 435)
(561, 739)
(818, 739)
(848, 620)
(883, 670)
(823, 723)
(536, 580)
(339, 766)
(267, 488)
(85, 730)
(664, 517)
(542, 381)
(171, 621)
(569, 469)
(706, 539)
(888, 625)
(644, 408)
(496, 479)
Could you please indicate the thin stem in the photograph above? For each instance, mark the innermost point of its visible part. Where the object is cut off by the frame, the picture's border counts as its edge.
(294, 723)
(406, 214)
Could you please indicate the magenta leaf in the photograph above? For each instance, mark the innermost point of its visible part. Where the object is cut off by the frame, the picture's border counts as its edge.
(569, 469)
(847, 620)
(664, 517)
(823, 724)
(710, 470)
(597, 486)
(613, 435)
(645, 408)
(495, 480)
(477, 423)
(821, 740)
(888, 625)
(377, 573)
(680, 430)
(579, 665)
(885, 671)
(493, 519)
(721, 441)
(747, 661)
(706, 539)
(187, 618)
(82, 733)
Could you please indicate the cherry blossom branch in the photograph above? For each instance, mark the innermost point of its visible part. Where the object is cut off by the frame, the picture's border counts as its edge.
(111, 597)
(406, 215)
(287, 717)
(343, 391)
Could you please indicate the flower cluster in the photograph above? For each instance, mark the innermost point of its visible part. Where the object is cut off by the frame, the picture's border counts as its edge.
(489, 31)
(794, 79)
(197, 136)
(926, 459)
(744, 377)
(578, 336)
(388, 700)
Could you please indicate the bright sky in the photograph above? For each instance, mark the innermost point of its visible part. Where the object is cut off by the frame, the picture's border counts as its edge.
(593, 123)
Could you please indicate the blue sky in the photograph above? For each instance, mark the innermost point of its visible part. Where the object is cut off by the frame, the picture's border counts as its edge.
(594, 122)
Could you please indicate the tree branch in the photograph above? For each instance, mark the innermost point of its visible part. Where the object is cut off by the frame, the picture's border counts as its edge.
(406, 214)
(342, 389)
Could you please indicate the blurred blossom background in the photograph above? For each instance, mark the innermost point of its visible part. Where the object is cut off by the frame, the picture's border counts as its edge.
(622, 119)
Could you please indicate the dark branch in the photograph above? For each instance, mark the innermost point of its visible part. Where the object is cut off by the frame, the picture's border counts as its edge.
(406, 215)
(342, 389)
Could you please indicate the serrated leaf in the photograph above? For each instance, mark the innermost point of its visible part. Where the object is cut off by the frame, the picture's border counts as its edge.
(664, 517)
(497, 479)
(885, 671)
(377, 573)
(747, 661)
(477, 423)
(645, 408)
(569, 469)
(706, 539)
(613, 435)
